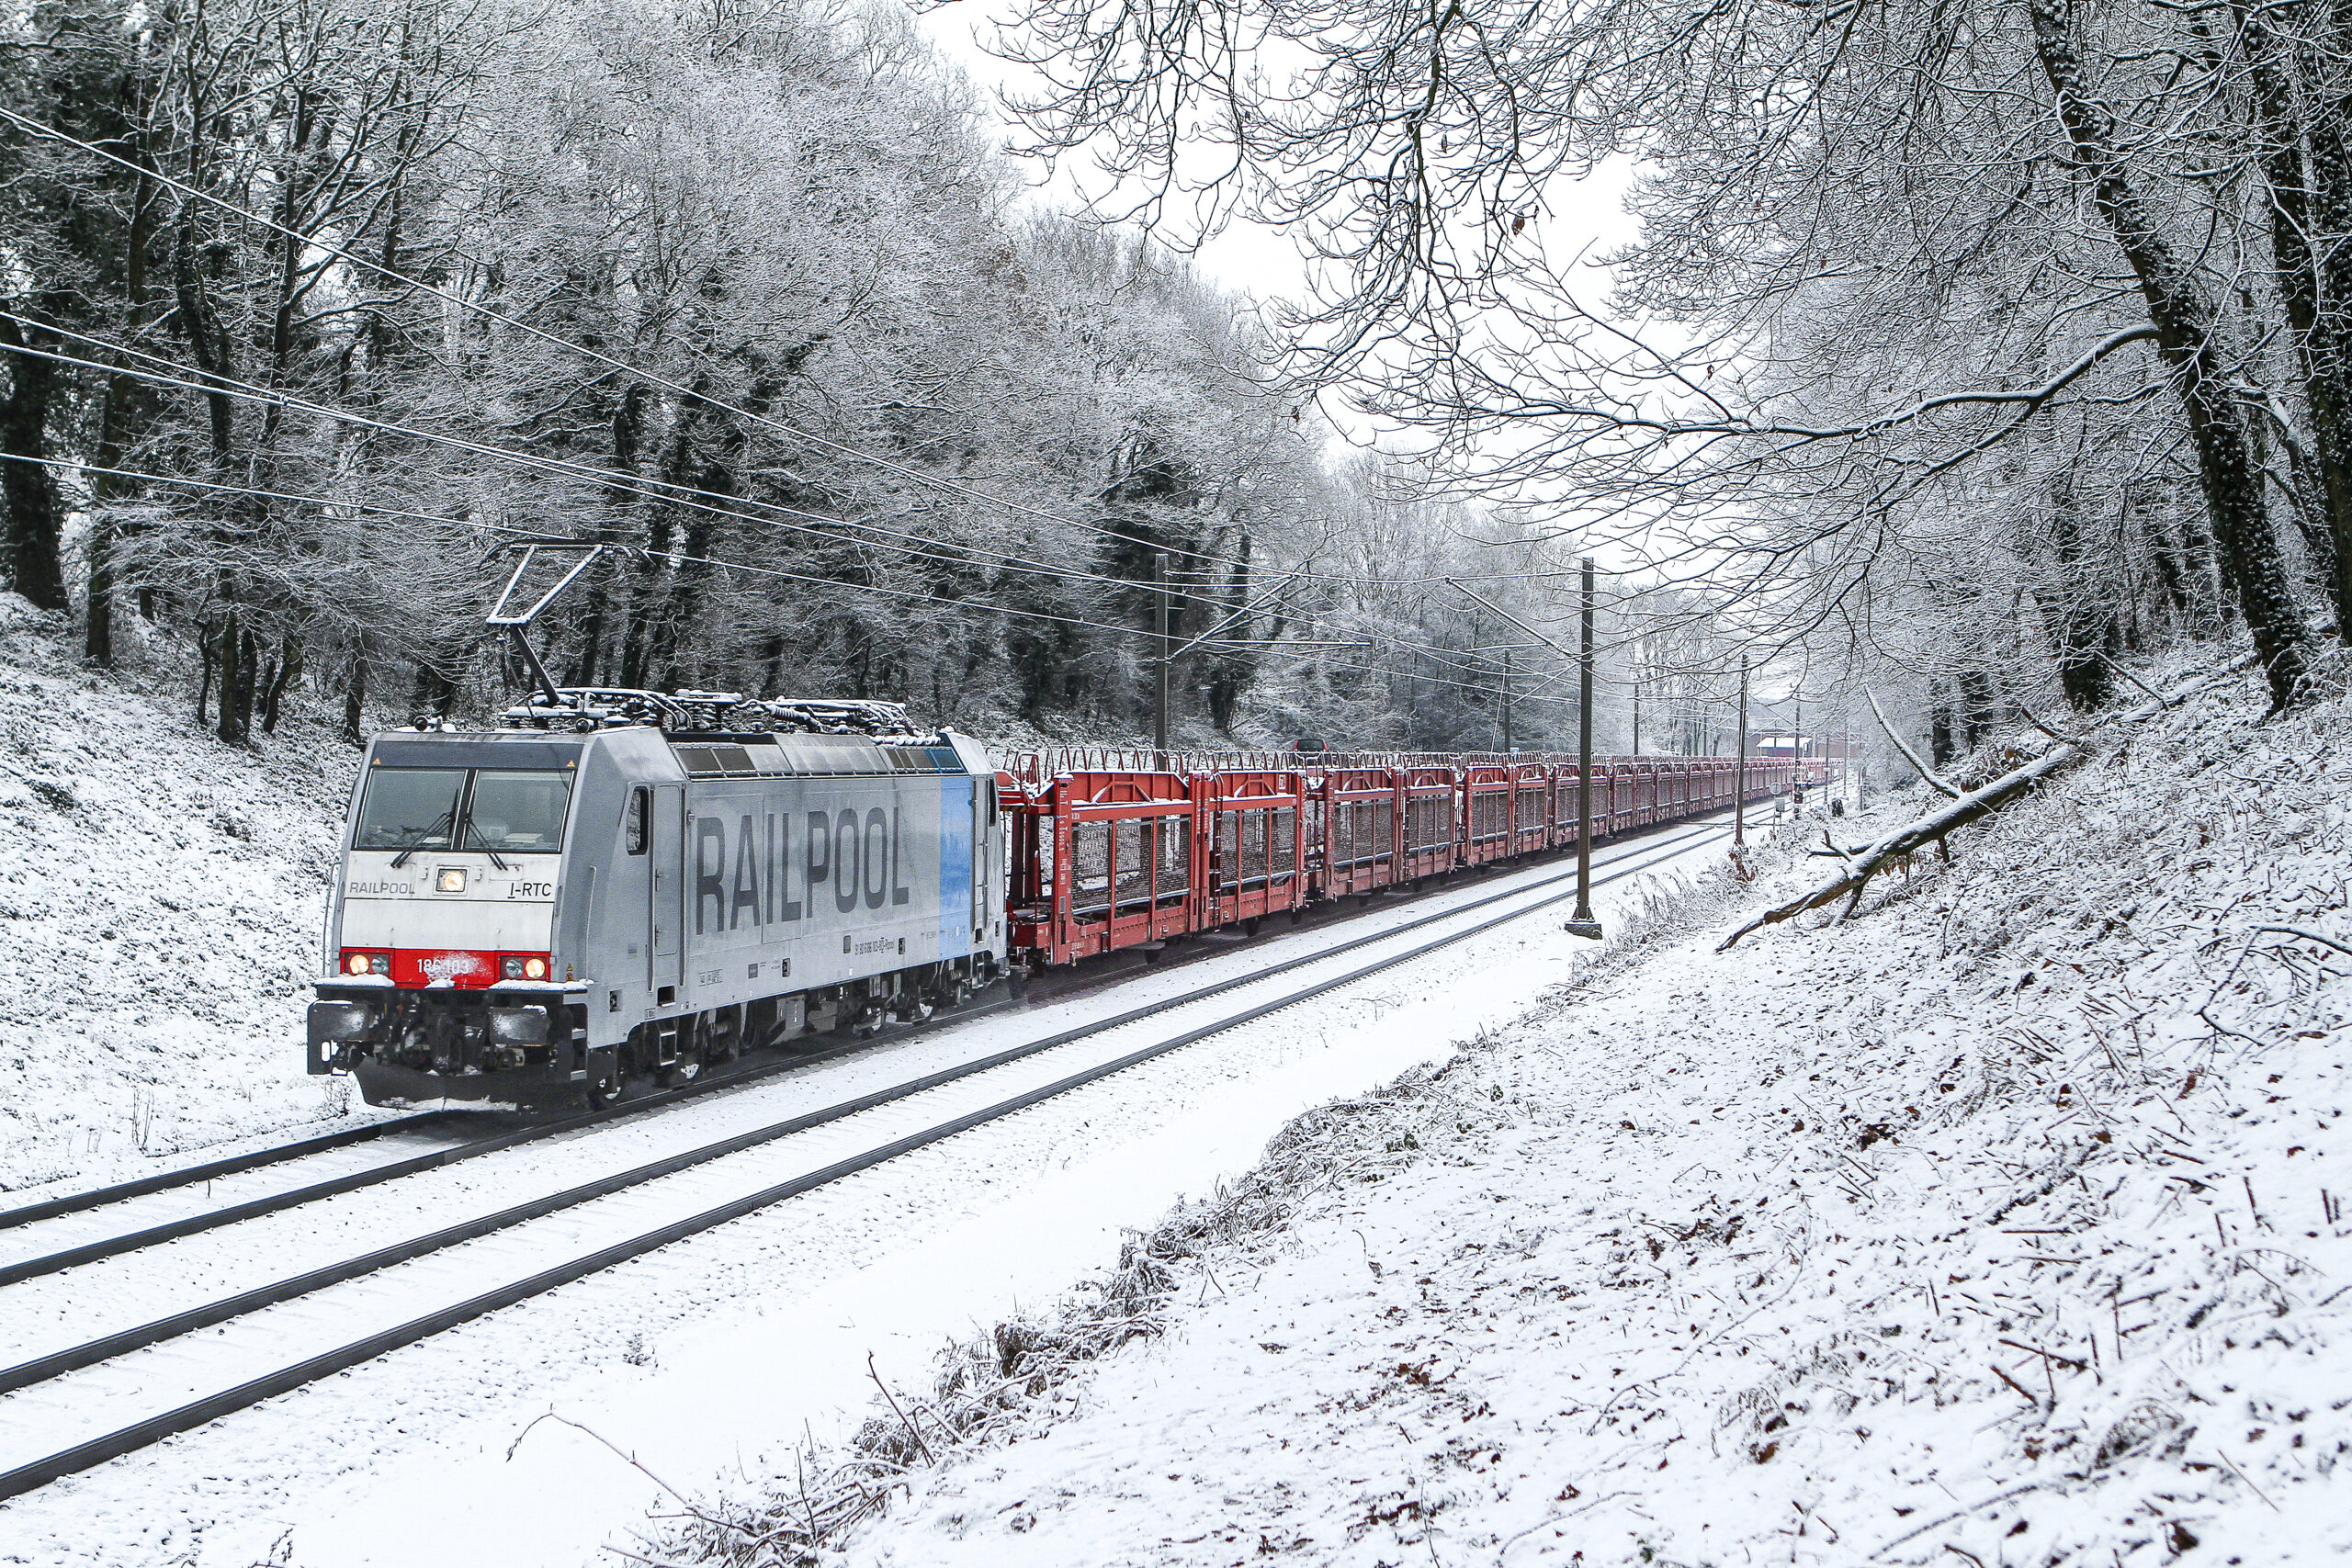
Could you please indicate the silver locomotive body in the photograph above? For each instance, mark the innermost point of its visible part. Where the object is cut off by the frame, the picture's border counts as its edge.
(529, 918)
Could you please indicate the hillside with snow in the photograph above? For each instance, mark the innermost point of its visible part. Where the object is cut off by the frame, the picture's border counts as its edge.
(161, 896)
(2005, 1223)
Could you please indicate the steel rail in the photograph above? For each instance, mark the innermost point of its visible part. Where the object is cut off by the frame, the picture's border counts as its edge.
(164, 1181)
(130, 1439)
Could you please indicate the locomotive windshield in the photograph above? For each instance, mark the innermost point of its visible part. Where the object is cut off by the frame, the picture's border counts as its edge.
(517, 813)
(410, 808)
(502, 811)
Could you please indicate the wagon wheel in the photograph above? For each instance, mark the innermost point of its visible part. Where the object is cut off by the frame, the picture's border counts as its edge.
(602, 1090)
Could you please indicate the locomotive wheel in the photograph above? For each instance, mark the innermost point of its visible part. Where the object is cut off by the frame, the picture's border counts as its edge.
(602, 1093)
(868, 1022)
(724, 1040)
(685, 1070)
(914, 1008)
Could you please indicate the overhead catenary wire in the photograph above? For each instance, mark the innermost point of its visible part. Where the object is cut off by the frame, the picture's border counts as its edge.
(721, 565)
(678, 494)
(333, 502)
(69, 465)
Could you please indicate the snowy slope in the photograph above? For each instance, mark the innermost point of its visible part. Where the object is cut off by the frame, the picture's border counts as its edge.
(2004, 1225)
(160, 902)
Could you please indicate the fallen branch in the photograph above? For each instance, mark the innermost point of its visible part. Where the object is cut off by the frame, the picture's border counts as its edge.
(1964, 809)
(1904, 746)
(2127, 674)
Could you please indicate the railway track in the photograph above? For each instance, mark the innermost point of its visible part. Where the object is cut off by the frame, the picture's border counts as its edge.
(702, 1186)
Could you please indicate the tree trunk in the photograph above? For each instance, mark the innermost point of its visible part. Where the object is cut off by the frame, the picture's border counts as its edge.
(204, 680)
(2251, 558)
(1978, 706)
(2083, 620)
(355, 694)
(2329, 225)
(233, 637)
(116, 421)
(2319, 337)
(289, 667)
(35, 511)
(206, 343)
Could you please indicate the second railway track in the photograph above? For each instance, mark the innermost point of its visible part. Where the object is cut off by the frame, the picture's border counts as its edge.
(675, 1194)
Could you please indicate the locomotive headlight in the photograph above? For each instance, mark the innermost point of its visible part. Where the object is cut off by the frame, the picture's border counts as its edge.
(535, 968)
(510, 968)
(357, 964)
(451, 879)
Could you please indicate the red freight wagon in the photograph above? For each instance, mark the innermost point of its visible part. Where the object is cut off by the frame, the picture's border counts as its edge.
(1486, 813)
(1564, 804)
(1359, 811)
(1430, 796)
(1103, 860)
(1257, 847)
(1531, 808)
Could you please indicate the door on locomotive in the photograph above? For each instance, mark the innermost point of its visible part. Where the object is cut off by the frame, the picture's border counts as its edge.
(666, 914)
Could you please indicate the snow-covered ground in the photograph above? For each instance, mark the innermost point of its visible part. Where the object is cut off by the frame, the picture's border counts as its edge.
(2004, 1224)
(160, 901)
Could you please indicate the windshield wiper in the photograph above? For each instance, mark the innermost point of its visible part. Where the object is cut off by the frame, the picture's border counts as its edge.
(436, 825)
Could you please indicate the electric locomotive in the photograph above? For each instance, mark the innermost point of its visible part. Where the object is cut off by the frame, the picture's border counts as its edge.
(622, 886)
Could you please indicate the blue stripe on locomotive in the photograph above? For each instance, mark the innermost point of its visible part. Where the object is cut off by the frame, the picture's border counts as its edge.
(955, 866)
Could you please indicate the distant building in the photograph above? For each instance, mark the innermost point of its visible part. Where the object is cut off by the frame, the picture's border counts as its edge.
(1787, 745)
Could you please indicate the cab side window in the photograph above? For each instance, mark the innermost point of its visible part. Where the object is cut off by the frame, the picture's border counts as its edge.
(638, 827)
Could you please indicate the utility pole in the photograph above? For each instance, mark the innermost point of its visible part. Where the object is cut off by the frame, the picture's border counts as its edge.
(1167, 656)
(1739, 768)
(1507, 747)
(1582, 923)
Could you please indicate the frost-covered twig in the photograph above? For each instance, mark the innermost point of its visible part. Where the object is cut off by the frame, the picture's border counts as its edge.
(2127, 674)
(921, 1446)
(1917, 1532)
(2246, 952)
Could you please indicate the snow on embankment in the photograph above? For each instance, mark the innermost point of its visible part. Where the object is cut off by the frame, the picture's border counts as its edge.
(160, 900)
(2004, 1224)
